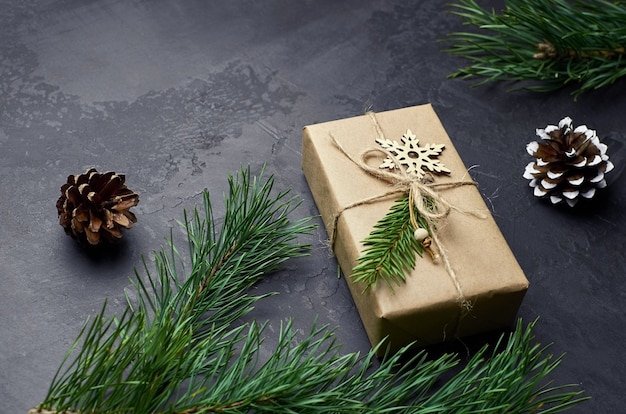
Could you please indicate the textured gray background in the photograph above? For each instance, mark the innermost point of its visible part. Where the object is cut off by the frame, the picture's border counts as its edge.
(176, 94)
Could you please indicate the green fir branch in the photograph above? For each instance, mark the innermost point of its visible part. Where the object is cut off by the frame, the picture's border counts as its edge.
(390, 248)
(546, 44)
(180, 347)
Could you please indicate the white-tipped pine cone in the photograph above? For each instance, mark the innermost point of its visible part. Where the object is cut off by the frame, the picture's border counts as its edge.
(94, 207)
(570, 163)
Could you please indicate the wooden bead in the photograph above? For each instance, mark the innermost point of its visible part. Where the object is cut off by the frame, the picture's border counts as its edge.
(420, 234)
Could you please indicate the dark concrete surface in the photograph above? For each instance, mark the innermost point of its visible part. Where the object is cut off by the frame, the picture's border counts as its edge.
(176, 94)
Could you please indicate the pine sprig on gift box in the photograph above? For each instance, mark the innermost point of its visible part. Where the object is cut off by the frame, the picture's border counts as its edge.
(180, 347)
(551, 43)
(390, 248)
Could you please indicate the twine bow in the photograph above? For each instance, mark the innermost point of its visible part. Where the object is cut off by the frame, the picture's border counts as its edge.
(424, 194)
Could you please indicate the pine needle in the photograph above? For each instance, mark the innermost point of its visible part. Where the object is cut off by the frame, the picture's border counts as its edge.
(390, 248)
(546, 44)
(181, 347)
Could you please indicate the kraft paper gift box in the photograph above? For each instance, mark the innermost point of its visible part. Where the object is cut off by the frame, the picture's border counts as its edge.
(426, 309)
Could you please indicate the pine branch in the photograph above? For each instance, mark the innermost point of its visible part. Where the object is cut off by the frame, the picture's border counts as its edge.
(181, 348)
(551, 43)
(390, 248)
(180, 328)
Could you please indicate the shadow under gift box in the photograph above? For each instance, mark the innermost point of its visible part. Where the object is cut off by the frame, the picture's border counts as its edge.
(426, 309)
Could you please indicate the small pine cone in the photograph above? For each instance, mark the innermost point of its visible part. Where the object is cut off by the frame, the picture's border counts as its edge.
(95, 206)
(570, 163)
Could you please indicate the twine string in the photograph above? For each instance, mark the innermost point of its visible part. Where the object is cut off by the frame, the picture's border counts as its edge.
(424, 194)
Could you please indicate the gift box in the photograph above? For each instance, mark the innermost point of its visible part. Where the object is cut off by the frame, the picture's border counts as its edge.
(426, 309)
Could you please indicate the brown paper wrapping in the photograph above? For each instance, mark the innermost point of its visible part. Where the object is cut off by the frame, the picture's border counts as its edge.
(426, 309)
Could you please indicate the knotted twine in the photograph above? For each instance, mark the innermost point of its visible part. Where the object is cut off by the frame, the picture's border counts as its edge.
(423, 193)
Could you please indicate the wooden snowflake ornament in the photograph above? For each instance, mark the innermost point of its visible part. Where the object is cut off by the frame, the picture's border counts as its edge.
(416, 159)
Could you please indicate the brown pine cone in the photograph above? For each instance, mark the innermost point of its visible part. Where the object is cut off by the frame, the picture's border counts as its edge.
(570, 163)
(94, 207)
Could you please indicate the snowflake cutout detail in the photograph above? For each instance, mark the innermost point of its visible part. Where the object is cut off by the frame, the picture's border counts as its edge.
(417, 159)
